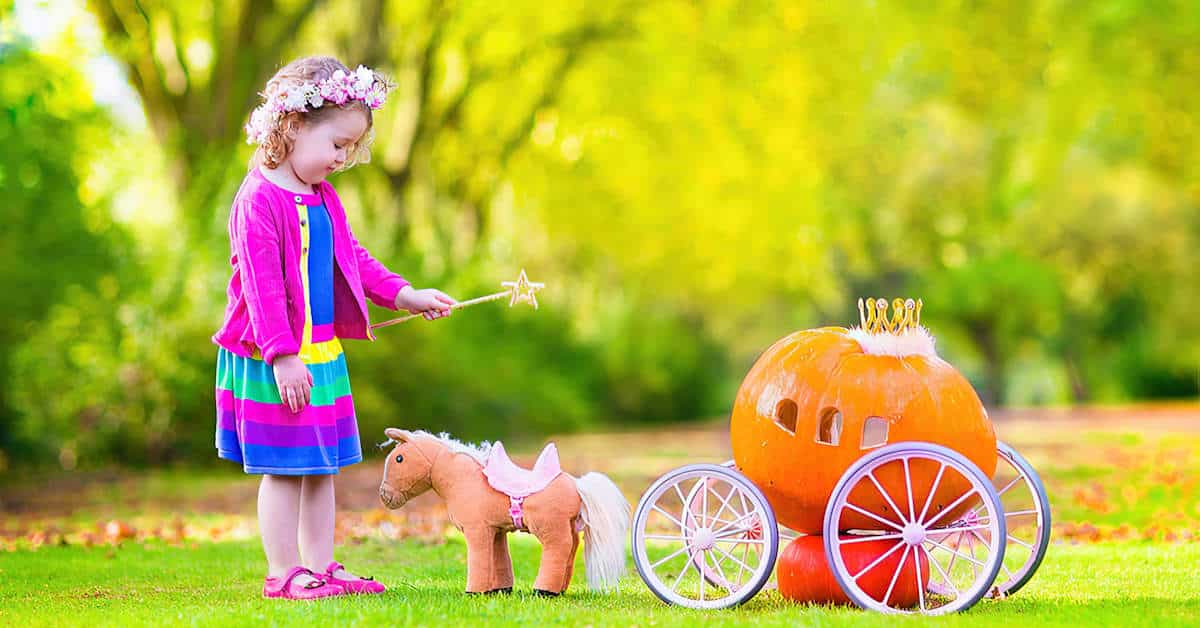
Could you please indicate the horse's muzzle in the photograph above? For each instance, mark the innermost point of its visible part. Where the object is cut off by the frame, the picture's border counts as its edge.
(390, 499)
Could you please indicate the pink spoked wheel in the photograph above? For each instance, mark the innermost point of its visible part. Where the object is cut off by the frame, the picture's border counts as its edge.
(704, 537)
(696, 505)
(939, 575)
(1027, 517)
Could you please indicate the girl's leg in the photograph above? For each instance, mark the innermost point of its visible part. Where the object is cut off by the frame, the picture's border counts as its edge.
(317, 509)
(278, 519)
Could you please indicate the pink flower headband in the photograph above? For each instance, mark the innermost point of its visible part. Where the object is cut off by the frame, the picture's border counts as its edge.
(362, 85)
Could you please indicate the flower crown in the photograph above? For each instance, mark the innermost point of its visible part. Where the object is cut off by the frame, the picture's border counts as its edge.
(363, 84)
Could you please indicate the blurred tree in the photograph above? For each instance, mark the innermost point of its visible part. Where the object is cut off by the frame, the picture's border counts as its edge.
(198, 68)
(692, 180)
(473, 80)
(977, 106)
(1003, 303)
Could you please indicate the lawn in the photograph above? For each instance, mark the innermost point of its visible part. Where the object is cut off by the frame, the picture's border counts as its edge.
(1125, 584)
(179, 546)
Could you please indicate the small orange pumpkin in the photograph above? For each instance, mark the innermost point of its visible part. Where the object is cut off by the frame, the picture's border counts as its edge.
(805, 576)
(820, 399)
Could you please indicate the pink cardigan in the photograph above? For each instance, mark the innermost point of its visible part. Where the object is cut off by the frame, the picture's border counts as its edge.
(266, 306)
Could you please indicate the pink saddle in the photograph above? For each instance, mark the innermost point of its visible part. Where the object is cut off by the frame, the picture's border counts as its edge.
(505, 476)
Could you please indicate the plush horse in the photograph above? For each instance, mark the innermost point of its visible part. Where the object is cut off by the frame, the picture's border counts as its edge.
(488, 496)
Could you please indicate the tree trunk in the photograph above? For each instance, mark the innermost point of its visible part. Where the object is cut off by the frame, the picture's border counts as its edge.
(995, 366)
(1080, 392)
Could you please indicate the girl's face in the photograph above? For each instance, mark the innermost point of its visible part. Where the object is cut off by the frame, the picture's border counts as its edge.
(322, 147)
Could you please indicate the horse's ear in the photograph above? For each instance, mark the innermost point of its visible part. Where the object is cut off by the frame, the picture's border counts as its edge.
(398, 435)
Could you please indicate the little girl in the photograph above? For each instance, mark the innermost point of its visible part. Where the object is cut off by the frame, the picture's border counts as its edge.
(300, 283)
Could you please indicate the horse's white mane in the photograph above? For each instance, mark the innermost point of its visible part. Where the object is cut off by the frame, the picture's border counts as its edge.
(479, 452)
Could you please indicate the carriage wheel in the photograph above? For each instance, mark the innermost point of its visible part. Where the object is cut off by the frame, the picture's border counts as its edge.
(714, 556)
(953, 563)
(1027, 517)
(714, 577)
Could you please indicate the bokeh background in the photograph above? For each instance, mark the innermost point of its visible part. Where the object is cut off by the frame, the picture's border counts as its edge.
(691, 179)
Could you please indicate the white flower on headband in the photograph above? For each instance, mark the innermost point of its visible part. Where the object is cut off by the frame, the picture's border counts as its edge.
(293, 100)
(363, 80)
(338, 89)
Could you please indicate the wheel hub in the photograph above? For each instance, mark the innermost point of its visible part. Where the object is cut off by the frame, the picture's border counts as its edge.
(913, 533)
(756, 530)
(703, 539)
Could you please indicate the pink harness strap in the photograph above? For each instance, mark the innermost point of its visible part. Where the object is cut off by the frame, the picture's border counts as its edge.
(516, 511)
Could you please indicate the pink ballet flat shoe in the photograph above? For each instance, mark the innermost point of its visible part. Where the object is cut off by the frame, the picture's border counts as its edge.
(284, 587)
(362, 585)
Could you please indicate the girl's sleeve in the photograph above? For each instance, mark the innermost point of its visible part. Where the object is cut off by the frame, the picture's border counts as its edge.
(259, 249)
(380, 285)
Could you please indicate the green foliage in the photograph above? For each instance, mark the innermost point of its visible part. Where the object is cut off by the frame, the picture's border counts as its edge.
(523, 374)
(691, 180)
(120, 388)
(55, 245)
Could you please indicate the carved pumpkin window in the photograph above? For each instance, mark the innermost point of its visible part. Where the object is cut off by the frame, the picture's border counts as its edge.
(875, 432)
(829, 427)
(785, 414)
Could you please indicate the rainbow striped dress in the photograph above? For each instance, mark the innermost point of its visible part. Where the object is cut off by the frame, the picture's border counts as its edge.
(254, 426)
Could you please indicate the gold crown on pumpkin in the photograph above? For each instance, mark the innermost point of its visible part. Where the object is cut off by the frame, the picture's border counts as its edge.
(873, 314)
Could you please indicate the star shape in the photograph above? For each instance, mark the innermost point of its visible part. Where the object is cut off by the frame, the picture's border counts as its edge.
(523, 290)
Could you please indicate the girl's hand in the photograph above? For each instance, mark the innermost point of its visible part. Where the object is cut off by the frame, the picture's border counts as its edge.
(430, 303)
(294, 381)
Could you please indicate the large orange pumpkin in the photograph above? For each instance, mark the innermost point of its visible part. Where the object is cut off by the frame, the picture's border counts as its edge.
(820, 399)
(805, 576)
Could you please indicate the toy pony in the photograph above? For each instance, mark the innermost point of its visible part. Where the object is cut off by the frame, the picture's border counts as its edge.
(487, 496)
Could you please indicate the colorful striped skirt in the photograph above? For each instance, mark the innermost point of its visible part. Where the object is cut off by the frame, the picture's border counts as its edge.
(255, 428)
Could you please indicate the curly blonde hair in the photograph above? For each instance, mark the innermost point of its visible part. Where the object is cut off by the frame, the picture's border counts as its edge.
(278, 142)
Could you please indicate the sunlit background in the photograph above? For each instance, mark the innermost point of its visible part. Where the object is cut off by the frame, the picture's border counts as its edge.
(692, 180)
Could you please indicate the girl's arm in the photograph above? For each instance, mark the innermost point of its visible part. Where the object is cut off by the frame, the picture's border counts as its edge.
(379, 284)
(259, 250)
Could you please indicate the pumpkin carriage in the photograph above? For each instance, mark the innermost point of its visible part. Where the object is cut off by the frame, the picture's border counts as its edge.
(874, 458)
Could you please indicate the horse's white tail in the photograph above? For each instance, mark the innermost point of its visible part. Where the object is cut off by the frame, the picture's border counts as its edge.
(606, 523)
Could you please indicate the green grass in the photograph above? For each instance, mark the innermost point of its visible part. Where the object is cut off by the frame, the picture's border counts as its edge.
(1126, 584)
(1144, 482)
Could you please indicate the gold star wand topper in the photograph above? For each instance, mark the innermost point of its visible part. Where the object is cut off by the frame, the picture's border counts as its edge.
(520, 291)
(523, 290)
